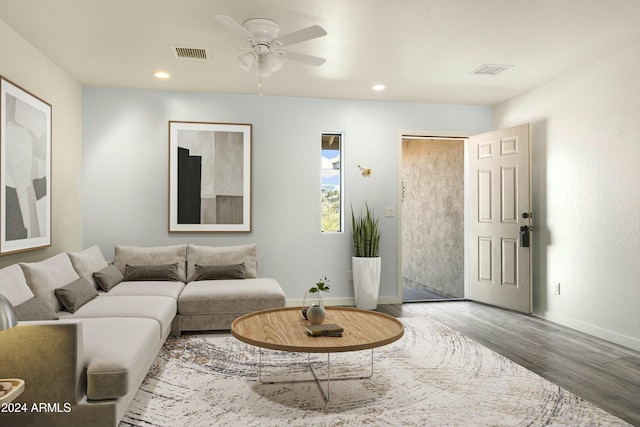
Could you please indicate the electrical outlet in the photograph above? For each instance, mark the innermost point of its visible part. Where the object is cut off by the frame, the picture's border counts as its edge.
(349, 275)
(556, 289)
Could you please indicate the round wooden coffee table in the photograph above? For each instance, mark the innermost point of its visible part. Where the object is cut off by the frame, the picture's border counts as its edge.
(284, 329)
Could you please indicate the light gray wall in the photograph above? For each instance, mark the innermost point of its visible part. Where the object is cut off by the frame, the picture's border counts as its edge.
(26, 67)
(586, 203)
(125, 178)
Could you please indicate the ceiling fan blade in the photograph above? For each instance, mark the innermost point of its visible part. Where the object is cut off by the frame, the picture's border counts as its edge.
(305, 34)
(305, 59)
(234, 26)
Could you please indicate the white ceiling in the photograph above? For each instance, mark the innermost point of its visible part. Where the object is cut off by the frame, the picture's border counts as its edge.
(422, 50)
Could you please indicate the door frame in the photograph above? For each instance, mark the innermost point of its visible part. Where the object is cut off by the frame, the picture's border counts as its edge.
(430, 134)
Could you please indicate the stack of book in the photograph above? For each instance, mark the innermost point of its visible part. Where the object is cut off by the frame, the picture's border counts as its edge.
(329, 330)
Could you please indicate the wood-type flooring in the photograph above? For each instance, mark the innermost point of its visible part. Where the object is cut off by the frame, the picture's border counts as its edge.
(603, 373)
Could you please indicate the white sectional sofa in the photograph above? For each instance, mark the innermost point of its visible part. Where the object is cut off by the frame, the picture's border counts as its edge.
(90, 330)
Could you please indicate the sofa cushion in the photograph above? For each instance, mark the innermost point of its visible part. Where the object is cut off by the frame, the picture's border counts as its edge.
(159, 308)
(35, 308)
(220, 271)
(167, 289)
(107, 278)
(13, 285)
(136, 255)
(45, 276)
(76, 294)
(87, 262)
(151, 272)
(202, 255)
(230, 296)
(118, 354)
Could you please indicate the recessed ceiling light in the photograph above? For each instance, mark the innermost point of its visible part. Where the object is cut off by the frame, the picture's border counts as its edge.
(378, 87)
(162, 74)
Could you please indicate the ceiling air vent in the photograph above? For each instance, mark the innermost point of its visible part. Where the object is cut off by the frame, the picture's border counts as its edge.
(491, 69)
(181, 52)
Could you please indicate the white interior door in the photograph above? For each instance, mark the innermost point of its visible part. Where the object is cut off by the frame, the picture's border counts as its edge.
(499, 208)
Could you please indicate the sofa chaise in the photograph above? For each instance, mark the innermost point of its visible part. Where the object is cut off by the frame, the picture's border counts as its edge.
(90, 330)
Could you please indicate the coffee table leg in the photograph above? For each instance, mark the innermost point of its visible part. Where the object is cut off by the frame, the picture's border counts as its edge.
(260, 367)
(329, 379)
(317, 379)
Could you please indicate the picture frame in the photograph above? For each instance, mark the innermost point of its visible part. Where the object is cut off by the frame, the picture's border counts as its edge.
(25, 170)
(209, 177)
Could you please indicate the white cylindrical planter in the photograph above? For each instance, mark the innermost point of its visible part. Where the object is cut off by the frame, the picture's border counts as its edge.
(366, 281)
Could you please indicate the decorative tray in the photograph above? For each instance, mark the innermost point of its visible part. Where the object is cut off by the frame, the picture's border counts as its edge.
(17, 387)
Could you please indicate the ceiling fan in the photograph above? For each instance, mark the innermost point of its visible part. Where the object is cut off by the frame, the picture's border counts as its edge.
(266, 47)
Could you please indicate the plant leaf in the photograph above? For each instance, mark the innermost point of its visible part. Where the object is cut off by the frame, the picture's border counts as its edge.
(365, 233)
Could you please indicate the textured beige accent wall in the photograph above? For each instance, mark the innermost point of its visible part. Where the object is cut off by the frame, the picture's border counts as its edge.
(25, 66)
(433, 215)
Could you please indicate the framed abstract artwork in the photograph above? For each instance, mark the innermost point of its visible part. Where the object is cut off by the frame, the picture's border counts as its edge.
(25, 170)
(209, 177)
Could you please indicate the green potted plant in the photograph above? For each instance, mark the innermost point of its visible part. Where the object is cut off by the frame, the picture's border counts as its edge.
(316, 313)
(366, 261)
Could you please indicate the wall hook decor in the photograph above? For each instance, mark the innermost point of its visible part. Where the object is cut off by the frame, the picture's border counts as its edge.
(365, 171)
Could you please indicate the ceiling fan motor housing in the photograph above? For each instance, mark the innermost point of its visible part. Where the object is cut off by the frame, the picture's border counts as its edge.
(264, 30)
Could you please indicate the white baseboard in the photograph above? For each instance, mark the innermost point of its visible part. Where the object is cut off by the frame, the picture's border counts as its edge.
(327, 301)
(343, 301)
(605, 334)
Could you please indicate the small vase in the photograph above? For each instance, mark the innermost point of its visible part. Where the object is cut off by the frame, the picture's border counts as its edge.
(316, 314)
(311, 299)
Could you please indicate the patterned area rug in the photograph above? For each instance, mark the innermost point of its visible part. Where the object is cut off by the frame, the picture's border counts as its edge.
(433, 376)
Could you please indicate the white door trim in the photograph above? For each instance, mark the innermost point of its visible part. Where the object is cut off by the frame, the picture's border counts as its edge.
(428, 134)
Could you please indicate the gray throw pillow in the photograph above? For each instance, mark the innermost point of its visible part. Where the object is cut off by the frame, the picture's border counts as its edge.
(206, 255)
(108, 277)
(35, 308)
(220, 271)
(76, 294)
(138, 255)
(163, 272)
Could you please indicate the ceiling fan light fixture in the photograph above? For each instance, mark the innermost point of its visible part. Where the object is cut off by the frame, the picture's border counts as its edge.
(263, 71)
(268, 63)
(246, 61)
(274, 62)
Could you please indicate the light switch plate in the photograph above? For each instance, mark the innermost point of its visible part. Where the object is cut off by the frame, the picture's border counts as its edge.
(389, 211)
